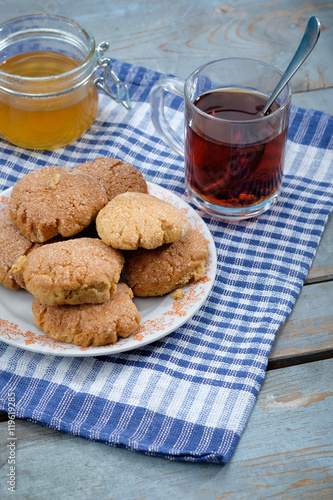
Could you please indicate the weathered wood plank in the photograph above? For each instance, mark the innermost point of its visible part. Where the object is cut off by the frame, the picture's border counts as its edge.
(308, 330)
(179, 38)
(294, 437)
(316, 99)
(285, 452)
(322, 265)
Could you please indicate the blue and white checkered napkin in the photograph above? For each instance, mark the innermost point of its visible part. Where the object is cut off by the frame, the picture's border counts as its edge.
(189, 395)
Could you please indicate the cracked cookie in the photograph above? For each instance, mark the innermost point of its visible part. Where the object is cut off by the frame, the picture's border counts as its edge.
(77, 271)
(55, 200)
(116, 176)
(12, 245)
(132, 220)
(171, 266)
(85, 325)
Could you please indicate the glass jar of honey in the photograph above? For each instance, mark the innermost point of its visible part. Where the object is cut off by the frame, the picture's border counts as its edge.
(48, 82)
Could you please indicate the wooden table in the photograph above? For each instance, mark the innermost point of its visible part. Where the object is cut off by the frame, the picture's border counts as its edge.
(286, 451)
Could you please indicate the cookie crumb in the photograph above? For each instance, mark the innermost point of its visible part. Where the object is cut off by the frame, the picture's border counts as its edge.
(18, 266)
(177, 294)
(55, 181)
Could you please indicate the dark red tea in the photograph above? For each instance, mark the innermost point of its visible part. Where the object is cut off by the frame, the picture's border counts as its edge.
(235, 174)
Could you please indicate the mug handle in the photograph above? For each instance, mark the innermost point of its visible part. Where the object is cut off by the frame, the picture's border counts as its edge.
(176, 86)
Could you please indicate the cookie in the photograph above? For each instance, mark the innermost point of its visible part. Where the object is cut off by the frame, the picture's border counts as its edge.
(78, 271)
(116, 176)
(90, 324)
(55, 200)
(167, 268)
(12, 245)
(132, 220)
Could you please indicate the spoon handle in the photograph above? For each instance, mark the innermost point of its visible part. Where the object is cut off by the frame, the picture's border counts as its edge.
(306, 45)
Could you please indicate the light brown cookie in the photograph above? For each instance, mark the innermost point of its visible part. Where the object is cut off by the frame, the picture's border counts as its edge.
(55, 200)
(160, 271)
(116, 176)
(78, 271)
(12, 245)
(90, 324)
(133, 220)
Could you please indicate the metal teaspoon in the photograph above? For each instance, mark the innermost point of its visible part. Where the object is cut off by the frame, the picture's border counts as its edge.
(308, 42)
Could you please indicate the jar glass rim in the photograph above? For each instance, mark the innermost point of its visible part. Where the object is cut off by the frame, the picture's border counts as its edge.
(81, 67)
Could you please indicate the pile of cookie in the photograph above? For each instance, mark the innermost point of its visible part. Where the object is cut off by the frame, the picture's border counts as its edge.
(84, 240)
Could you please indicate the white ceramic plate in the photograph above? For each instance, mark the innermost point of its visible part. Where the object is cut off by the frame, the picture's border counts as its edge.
(159, 315)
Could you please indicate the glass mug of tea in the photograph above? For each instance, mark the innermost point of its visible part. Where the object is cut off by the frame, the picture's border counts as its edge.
(234, 154)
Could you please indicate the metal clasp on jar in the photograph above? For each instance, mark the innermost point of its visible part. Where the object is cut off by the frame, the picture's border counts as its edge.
(102, 81)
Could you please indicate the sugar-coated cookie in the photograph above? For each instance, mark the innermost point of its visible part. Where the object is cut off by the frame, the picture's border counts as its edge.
(55, 200)
(77, 271)
(90, 324)
(171, 266)
(132, 220)
(12, 245)
(116, 176)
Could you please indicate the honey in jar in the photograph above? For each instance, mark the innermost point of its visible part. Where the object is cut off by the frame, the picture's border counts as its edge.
(46, 121)
(48, 95)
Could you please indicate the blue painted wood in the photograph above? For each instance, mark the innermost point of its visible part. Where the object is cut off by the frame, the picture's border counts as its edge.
(315, 99)
(322, 265)
(308, 331)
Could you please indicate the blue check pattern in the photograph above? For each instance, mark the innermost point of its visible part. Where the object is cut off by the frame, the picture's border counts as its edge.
(189, 395)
